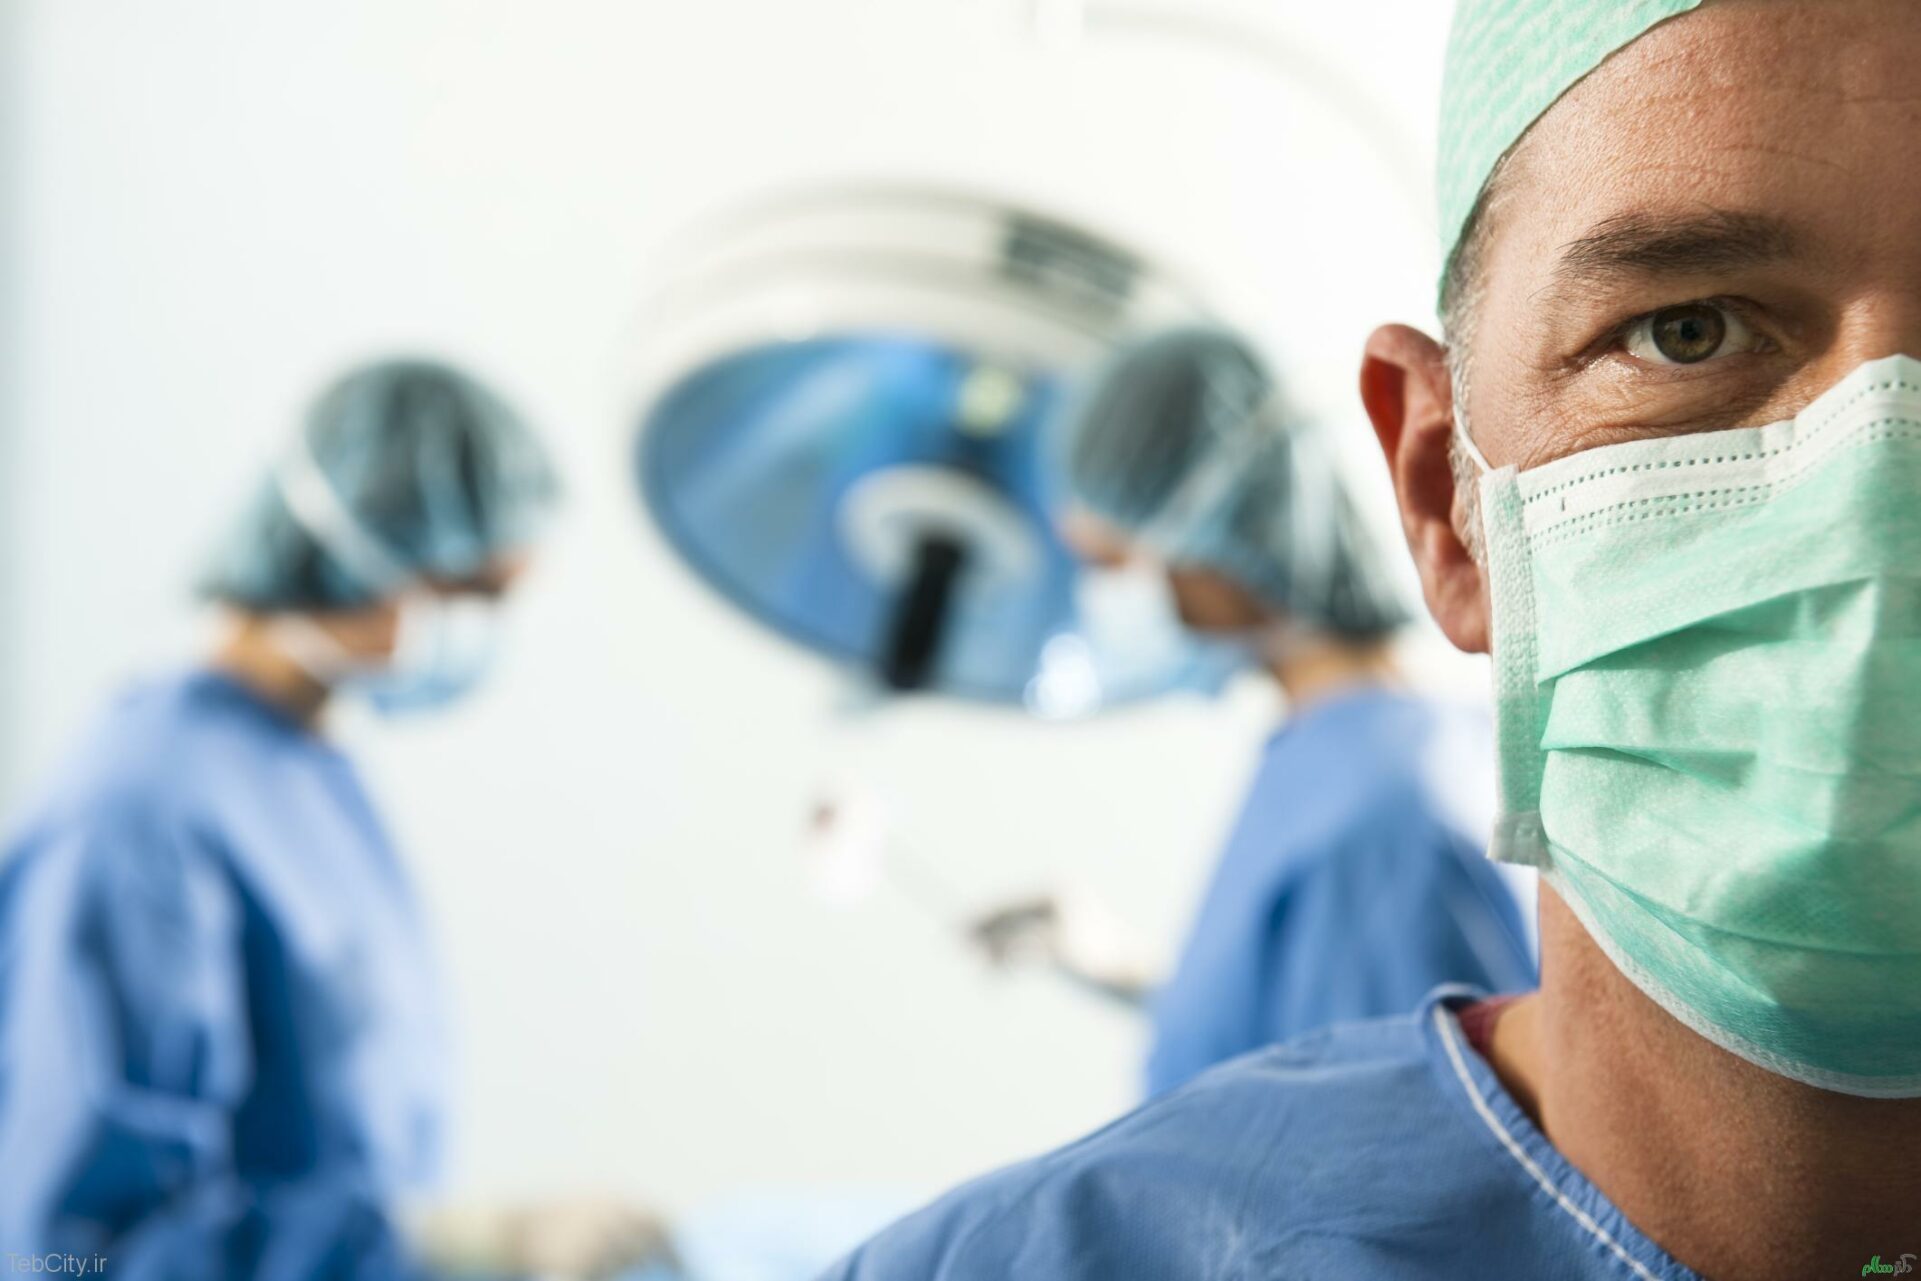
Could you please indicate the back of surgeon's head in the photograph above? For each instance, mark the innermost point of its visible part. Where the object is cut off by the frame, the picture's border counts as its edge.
(1180, 444)
(437, 472)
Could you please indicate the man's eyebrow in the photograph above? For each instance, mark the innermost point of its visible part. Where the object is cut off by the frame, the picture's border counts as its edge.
(1643, 244)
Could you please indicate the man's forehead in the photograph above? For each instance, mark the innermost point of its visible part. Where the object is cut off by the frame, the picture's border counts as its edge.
(1762, 115)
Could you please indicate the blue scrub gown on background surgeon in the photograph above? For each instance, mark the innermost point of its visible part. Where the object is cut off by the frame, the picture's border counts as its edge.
(1349, 889)
(1386, 1149)
(220, 1042)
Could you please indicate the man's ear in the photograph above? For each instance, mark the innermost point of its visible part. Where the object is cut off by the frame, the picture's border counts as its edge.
(1408, 393)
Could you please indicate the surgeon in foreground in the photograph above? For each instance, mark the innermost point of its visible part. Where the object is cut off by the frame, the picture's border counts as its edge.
(1665, 469)
(220, 1049)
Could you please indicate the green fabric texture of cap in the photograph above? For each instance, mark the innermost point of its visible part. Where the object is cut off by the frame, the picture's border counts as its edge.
(1508, 61)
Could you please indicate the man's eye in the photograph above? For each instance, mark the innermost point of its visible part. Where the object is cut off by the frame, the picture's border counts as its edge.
(1688, 335)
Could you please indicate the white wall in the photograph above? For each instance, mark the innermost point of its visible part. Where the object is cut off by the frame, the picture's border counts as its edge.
(12, 300)
(222, 200)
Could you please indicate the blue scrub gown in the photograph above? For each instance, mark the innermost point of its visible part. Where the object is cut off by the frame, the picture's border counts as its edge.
(1352, 886)
(220, 1041)
(1386, 1149)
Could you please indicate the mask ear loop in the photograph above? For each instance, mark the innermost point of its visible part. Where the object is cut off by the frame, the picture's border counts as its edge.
(312, 649)
(1472, 450)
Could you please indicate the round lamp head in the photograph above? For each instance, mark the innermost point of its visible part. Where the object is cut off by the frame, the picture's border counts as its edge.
(845, 433)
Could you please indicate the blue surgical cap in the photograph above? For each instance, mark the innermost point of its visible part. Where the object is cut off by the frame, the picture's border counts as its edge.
(1182, 442)
(429, 476)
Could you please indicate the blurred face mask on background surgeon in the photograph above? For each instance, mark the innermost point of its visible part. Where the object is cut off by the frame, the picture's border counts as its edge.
(444, 644)
(1130, 616)
(1707, 654)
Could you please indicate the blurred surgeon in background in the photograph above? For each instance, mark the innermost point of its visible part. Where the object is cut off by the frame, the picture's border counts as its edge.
(220, 1034)
(1353, 882)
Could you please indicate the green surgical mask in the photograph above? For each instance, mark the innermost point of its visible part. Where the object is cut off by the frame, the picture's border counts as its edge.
(1707, 654)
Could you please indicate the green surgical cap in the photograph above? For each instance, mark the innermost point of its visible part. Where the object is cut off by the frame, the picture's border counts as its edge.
(1508, 61)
